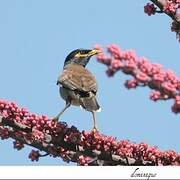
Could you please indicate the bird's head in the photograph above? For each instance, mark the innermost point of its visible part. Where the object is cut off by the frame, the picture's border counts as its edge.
(80, 56)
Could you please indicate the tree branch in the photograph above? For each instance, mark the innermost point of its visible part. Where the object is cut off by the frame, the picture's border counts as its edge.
(165, 83)
(170, 8)
(161, 4)
(85, 148)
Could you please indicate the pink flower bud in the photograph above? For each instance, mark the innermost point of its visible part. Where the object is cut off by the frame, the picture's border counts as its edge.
(18, 145)
(142, 77)
(149, 9)
(131, 83)
(155, 95)
(34, 155)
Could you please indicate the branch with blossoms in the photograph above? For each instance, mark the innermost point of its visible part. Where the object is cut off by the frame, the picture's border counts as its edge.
(170, 8)
(56, 139)
(165, 84)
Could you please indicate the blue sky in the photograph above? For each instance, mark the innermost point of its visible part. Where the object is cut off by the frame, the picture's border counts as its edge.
(35, 38)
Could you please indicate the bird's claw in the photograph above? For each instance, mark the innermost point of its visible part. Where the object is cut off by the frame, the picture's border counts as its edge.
(55, 119)
(95, 130)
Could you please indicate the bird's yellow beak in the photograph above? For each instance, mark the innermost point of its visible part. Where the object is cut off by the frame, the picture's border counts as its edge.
(89, 54)
(94, 52)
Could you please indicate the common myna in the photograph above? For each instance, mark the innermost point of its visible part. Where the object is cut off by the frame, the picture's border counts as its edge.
(77, 85)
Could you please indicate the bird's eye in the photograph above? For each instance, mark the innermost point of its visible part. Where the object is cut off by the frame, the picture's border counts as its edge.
(84, 52)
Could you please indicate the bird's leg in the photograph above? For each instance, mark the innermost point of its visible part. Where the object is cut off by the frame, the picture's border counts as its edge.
(94, 122)
(62, 111)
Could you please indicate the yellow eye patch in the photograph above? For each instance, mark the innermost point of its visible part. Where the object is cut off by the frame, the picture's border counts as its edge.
(87, 54)
(79, 55)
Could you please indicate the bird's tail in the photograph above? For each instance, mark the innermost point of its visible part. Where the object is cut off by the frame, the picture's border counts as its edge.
(90, 103)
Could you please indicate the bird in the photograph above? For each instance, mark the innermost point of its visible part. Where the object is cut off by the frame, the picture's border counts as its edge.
(77, 85)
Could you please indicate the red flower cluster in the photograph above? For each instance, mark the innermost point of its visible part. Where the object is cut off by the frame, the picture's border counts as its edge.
(4, 133)
(84, 160)
(149, 9)
(175, 27)
(59, 140)
(165, 83)
(126, 149)
(96, 141)
(170, 7)
(18, 145)
(34, 155)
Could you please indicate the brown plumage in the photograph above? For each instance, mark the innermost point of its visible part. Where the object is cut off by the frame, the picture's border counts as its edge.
(77, 85)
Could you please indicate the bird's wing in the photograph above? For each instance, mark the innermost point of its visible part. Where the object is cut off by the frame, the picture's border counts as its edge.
(76, 77)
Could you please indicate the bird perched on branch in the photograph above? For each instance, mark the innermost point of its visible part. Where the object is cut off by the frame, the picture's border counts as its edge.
(77, 85)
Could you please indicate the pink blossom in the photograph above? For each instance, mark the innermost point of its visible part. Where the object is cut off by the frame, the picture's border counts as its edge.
(116, 64)
(144, 65)
(4, 133)
(170, 7)
(129, 55)
(34, 155)
(129, 66)
(18, 145)
(114, 50)
(84, 160)
(175, 27)
(170, 76)
(53, 151)
(156, 68)
(168, 87)
(151, 154)
(176, 107)
(160, 77)
(98, 47)
(110, 72)
(131, 83)
(155, 95)
(177, 98)
(142, 77)
(17, 118)
(38, 135)
(149, 9)
(165, 82)
(5, 113)
(19, 134)
(90, 141)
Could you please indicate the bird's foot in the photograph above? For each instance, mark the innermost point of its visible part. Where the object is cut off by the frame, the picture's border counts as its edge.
(94, 130)
(55, 119)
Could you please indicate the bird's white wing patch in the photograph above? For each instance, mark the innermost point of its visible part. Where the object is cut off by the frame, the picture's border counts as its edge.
(81, 107)
(99, 110)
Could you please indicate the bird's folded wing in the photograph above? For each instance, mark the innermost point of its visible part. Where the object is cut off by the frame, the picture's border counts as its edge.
(78, 78)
